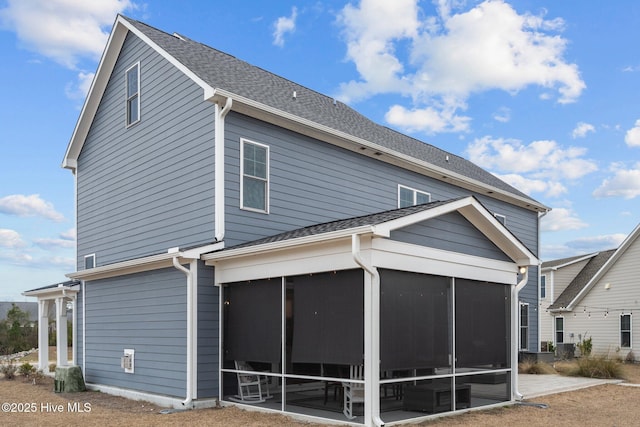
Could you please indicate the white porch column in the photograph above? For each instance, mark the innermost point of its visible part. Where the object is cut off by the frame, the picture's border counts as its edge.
(43, 335)
(61, 331)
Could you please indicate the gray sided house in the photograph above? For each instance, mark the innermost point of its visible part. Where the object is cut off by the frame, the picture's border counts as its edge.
(594, 296)
(244, 239)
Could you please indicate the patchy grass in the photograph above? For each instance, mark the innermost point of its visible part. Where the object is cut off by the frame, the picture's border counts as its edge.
(592, 367)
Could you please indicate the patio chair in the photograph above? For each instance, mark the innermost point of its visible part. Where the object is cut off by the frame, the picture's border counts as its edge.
(250, 386)
(353, 392)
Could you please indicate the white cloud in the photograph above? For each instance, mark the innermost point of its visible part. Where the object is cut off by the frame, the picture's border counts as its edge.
(542, 164)
(29, 206)
(632, 137)
(596, 243)
(10, 239)
(451, 57)
(63, 30)
(624, 183)
(503, 115)
(70, 234)
(284, 25)
(560, 219)
(582, 129)
(78, 90)
(49, 244)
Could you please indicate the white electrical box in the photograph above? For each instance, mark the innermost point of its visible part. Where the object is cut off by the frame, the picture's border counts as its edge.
(127, 360)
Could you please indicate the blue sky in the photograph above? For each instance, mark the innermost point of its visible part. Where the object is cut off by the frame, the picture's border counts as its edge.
(542, 93)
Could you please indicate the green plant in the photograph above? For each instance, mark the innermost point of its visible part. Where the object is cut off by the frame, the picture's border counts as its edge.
(52, 367)
(26, 369)
(9, 370)
(550, 347)
(585, 346)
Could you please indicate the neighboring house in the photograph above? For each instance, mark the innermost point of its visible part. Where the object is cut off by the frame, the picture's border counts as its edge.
(598, 296)
(243, 238)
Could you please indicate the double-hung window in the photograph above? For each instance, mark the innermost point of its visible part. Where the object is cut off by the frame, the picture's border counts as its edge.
(409, 197)
(524, 326)
(89, 261)
(559, 330)
(133, 94)
(254, 175)
(625, 330)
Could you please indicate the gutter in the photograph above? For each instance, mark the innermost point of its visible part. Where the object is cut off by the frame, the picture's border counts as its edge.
(219, 214)
(189, 392)
(371, 337)
(515, 305)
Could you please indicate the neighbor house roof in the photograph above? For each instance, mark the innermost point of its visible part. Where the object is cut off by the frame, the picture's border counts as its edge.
(563, 262)
(270, 97)
(582, 279)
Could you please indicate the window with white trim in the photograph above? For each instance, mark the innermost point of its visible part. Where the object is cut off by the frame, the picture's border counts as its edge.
(559, 329)
(89, 261)
(133, 94)
(501, 219)
(410, 196)
(543, 286)
(524, 326)
(254, 176)
(625, 330)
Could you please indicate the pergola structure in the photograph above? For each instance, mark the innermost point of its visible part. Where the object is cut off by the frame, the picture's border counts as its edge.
(58, 295)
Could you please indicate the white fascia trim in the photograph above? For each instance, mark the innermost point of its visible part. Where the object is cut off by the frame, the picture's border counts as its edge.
(554, 268)
(210, 259)
(107, 63)
(51, 293)
(433, 170)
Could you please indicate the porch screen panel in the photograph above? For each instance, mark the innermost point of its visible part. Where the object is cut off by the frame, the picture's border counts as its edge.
(328, 318)
(414, 320)
(252, 328)
(482, 324)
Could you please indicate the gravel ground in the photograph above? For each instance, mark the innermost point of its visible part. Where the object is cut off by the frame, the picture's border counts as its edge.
(38, 405)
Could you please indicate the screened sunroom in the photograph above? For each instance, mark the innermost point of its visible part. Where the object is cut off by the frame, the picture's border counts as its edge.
(356, 325)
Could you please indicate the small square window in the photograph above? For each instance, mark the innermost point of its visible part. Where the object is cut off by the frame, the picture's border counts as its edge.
(501, 218)
(89, 261)
(133, 94)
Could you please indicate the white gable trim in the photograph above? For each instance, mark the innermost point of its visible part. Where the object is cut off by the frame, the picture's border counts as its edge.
(110, 55)
(605, 268)
(566, 264)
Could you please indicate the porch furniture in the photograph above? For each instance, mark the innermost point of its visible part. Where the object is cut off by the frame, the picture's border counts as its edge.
(250, 386)
(435, 398)
(353, 392)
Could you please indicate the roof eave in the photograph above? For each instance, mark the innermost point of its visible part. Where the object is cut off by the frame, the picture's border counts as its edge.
(325, 133)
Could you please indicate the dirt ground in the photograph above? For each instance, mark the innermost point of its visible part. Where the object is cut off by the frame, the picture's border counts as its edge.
(38, 405)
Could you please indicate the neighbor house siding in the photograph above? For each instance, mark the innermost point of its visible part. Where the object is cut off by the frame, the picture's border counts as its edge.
(145, 312)
(208, 335)
(149, 187)
(606, 305)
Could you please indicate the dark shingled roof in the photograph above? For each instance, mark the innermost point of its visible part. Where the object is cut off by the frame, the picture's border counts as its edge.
(221, 70)
(55, 285)
(345, 224)
(582, 279)
(563, 261)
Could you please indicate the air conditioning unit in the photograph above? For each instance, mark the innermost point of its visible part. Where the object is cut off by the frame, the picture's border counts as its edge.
(127, 360)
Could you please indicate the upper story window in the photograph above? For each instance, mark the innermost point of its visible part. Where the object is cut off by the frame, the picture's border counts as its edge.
(410, 197)
(625, 330)
(543, 286)
(254, 176)
(501, 218)
(133, 94)
(89, 261)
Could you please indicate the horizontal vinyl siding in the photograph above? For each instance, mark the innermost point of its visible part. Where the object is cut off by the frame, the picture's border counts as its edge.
(145, 312)
(208, 333)
(623, 296)
(450, 232)
(149, 187)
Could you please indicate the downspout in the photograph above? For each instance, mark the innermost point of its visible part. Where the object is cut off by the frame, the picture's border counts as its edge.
(372, 365)
(515, 309)
(219, 201)
(189, 394)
